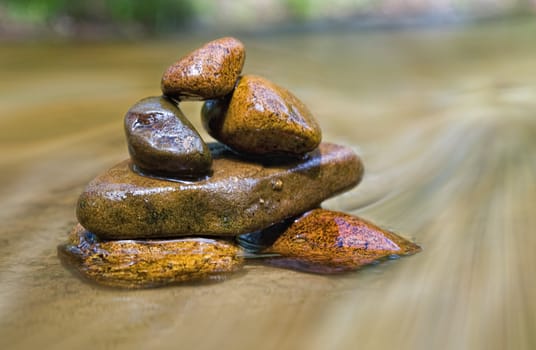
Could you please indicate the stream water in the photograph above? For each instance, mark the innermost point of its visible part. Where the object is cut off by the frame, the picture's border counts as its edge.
(444, 119)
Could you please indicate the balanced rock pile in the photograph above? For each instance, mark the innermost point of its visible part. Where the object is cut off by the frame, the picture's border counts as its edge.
(181, 209)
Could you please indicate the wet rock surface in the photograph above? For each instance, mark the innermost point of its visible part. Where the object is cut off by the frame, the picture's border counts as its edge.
(325, 241)
(144, 222)
(149, 263)
(262, 118)
(239, 197)
(162, 141)
(208, 72)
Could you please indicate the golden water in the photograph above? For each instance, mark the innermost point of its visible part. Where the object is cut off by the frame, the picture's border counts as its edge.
(445, 120)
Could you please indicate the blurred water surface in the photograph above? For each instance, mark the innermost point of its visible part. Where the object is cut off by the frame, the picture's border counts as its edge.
(443, 118)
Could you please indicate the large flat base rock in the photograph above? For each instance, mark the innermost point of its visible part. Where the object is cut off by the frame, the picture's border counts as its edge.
(240, 196)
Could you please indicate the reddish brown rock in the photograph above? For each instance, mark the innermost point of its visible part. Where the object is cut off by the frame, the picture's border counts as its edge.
(325, 241)
(208, 72)
(262, 118)
(162, 141)
(149, 263)
(239, 197)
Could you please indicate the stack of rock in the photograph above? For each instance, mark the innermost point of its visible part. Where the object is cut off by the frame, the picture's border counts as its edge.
(174, 210)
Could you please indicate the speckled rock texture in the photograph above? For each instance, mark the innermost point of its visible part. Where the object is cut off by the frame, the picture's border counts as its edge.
(239, 197)
(262, 118)
(149, 263)
(208, 72)
(325, 241)
(162, 141)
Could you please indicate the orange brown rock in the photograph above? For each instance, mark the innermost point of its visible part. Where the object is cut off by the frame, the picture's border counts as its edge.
(209, 72)
(162, 141)
(240, 196)
(149, 263)
(262, 118)
(325, 241)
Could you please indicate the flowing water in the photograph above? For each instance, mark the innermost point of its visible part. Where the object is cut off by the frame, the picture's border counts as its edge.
(445, 120)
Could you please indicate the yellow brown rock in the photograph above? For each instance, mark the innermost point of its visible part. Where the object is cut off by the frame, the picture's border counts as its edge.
(263, 119)
(239, 197)
(325, 241)
(209, 72)
(148, 263)
(162, 141)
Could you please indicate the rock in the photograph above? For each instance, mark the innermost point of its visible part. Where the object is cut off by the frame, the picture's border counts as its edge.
(162, 141)
(208, 72)
(151, 263)
(325, 241)
(239, 197)
(262, 118)
(258, 241)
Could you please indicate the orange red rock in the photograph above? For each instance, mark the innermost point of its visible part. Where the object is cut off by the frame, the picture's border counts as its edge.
(328, 241)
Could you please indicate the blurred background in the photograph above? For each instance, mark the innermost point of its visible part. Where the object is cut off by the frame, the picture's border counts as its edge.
(22, 19)
(438, 97)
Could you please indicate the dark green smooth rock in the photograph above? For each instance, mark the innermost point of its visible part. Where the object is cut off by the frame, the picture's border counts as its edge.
(161, 141)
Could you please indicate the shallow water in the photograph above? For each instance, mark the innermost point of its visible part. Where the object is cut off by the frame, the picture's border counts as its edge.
(445, 122)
